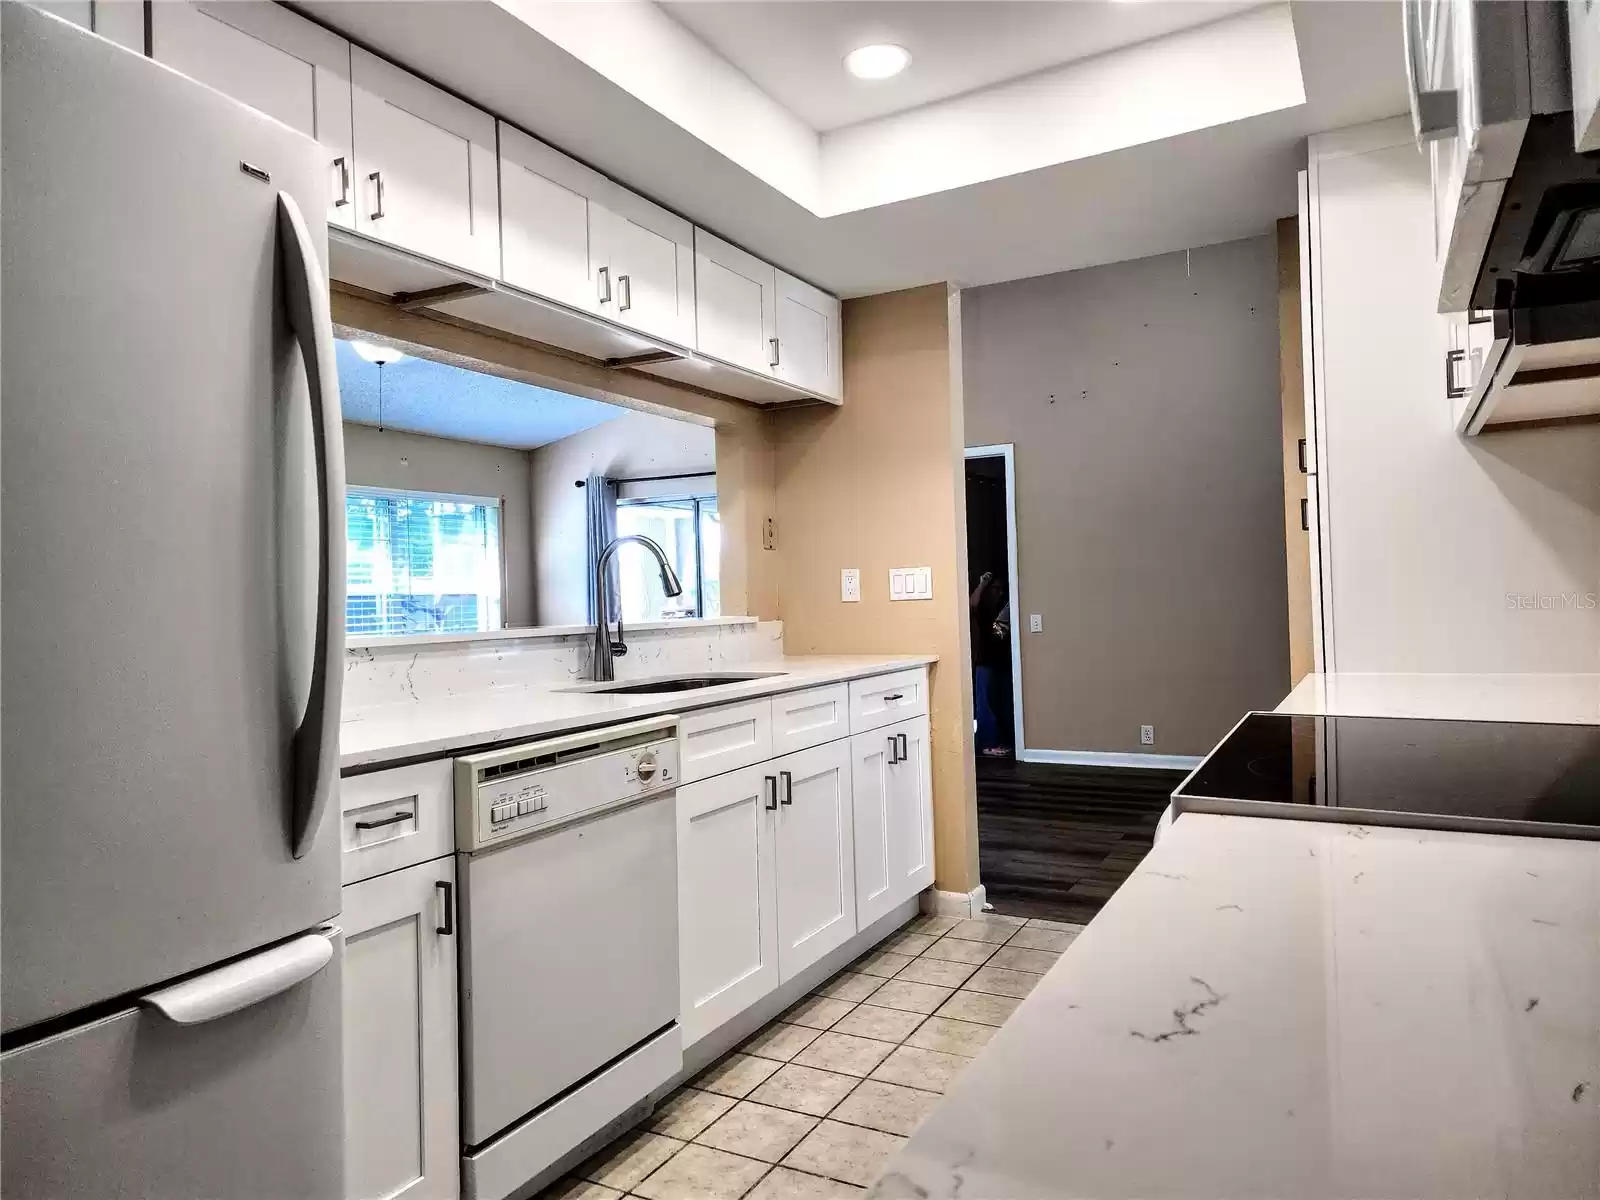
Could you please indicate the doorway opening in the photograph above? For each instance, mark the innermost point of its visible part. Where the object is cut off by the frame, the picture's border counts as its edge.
(992, 602)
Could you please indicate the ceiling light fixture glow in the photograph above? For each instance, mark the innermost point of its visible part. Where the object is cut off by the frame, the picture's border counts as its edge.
(373, 352)
(877, 62)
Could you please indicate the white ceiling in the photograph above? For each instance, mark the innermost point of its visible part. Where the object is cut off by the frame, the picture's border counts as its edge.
(793, 49)
(625, 116)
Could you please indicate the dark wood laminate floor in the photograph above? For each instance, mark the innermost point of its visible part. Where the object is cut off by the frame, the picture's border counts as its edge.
(1057, 841)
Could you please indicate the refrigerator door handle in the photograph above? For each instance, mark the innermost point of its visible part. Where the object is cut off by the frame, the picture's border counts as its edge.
(315, 744)
(241, 984)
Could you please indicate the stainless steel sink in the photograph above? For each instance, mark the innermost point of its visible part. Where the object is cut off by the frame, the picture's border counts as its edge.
(672, 683)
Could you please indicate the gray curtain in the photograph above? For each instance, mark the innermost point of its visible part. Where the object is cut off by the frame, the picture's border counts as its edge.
(600, 499)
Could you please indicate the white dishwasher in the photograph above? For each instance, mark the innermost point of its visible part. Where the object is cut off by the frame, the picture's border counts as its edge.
(567, 869)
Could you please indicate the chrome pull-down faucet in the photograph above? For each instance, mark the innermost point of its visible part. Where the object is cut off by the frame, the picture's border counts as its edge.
(603, 668)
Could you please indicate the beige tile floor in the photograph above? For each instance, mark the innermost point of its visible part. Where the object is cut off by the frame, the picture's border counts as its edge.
(812, 1106)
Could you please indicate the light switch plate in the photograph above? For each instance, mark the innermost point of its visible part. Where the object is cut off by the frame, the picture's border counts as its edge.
(850, 585)
(911, 583)
(1035, 623)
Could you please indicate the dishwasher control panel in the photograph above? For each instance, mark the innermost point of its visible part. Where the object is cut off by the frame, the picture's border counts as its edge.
(503, 795)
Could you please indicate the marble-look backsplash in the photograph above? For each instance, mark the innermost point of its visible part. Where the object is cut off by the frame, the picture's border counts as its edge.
(379, 676)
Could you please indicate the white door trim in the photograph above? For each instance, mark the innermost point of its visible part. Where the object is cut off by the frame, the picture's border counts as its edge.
(1013, 571)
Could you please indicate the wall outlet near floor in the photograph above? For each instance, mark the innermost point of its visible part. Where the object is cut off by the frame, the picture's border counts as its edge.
(1035, 623)
(1147, 735)
(850, 585)
(911, 583)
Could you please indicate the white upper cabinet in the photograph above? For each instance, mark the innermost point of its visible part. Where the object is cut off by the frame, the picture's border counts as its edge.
(736, 298)
(274, 61)
(427, 177)
(572, 235)
(550, 216)
(651, 255)
(806, 348)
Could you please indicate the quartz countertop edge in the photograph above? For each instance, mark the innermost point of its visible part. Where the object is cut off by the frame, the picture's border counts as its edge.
(405, 732)
(1289, 1008)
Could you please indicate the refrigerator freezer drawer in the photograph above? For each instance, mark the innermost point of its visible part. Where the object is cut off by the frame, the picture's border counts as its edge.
(134, 1104)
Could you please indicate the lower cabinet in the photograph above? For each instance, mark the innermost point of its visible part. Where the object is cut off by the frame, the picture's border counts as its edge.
(892, 781)
(766, 881)
(727, 897)
(816, 871)
(400, 1034)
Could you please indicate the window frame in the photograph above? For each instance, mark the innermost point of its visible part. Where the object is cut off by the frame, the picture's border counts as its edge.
(698, 499)
(497, 502)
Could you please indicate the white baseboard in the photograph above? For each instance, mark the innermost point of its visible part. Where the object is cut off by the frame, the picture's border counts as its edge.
(1103, 758)
(955, 904)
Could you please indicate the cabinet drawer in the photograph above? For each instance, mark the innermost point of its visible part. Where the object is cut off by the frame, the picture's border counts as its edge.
(392, 819)
(885, 699)
(809, 718)
(715, 740)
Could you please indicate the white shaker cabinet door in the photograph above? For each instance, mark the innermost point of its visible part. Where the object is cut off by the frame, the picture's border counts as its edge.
(400, 1097)
(816, 859)
(263, 55)
(735, 304)
(910, 810)
(651, 254)
(727, 897)
(550, 223)
(428, 178)
(807, 337)
(869, 780)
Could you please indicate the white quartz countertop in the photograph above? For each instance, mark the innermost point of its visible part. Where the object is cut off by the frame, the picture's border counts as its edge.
(1559, 699)
(1294, 1009)
(397, 732)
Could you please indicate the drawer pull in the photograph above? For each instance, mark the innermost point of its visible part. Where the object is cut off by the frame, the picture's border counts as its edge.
(405, 816)
(889, 699)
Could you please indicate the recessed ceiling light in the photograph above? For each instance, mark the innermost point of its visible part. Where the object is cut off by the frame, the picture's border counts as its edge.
(877, 62)
(375, 353)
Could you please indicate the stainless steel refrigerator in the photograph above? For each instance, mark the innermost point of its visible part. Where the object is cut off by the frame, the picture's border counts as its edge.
(171, 630)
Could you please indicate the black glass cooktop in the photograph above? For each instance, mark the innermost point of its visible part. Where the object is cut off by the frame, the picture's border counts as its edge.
(1450, 774)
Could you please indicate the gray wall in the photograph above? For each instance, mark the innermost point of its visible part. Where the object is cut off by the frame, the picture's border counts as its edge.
(374, 458)
(1142, 398)
(636, 443)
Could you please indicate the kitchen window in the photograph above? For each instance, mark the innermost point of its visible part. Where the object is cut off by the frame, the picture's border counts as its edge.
(421, 562)
(689, 529)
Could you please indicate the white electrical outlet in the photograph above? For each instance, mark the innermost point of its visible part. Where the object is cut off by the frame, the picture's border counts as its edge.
(1035, 623)
(850, 585)
(1147, 735)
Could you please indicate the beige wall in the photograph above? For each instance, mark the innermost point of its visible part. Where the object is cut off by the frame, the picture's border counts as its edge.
(390, 459)
(635, 443)
(876, 484)
(1143, 401)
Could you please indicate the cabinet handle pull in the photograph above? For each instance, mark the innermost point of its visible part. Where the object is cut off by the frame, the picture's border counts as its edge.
(893, 696)
(788, 787)
(772, 359)
(386, 821)
(1300, 454)
(602, 279)
(905, 754)
(1305, 513)
(894, 749)
(449, 925)
(769, 791)
(1451, 358)
(624, 293)
(377, 178)
(343, 165)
